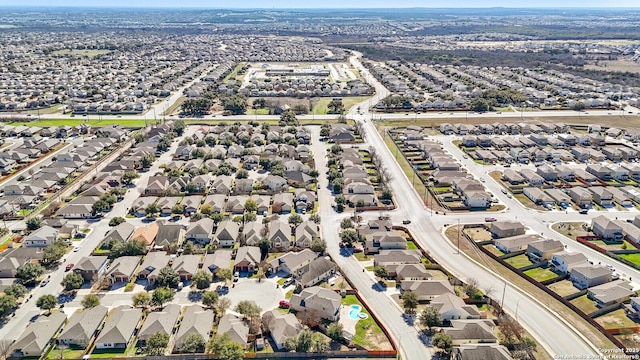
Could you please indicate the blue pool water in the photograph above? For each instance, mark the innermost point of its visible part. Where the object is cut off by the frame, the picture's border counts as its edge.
(355, 314)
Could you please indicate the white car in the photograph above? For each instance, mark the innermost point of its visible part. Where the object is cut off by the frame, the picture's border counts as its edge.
(77, 248)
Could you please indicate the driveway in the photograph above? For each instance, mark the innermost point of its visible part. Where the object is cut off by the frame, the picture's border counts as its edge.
(248, 289)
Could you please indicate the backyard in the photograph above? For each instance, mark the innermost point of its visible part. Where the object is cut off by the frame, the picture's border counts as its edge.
(563, 288)
(519, 261)
(615, 320)
(368, 332)
(540, 274)
(585, 304)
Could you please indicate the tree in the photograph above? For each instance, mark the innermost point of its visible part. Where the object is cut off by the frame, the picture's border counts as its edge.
(479, 105)
(315, 218)
(72, 281)
(178, 126)
(116, 221)
(161, 296)
(510, 330)
(156, 344)
(250, 205)
(54, 252)
(288, 118)
(295, 220)
(29, 272)
(471, 289)
(7, 303)
(100, 206)
(177, 209)
(381, 272)
(264, 244)
(291, 343)
(224, 274)
(346, 223)
(90, 301)
(409, 302)
(319, 344)
(210, 298)
(16, 290)
(141, 299)
(222, 306)
(34, 223)
(442, 341)
(168, 277)
(335, 107)
(526, 345)
(128, 248)
(335, 331)
(194, 343)
(147, 160)
(201, 279)
(349, 237)
(305, 341)
(224, 348)
(429, 317)
(318, 245)
(129, 176)
(248, 308)
(47, 302)
(242, 174)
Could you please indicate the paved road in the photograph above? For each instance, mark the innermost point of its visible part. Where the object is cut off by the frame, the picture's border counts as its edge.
(383, 306)
(552, 332)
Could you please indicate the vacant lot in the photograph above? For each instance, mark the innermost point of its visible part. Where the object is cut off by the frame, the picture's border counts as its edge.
(541, 274)
(519, 261)
(563, 288)
(615, 319)
(478, 234)
(614, 65)
(78, 52)
(585, 304)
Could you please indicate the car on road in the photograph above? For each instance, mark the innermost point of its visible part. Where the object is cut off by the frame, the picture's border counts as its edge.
(77, 248)
(406, 222)
(584, 211)
(481, 179)
(44, 282)
(464, 156)
(68, 267)
(149, 219)
(490, 219)
(509, 196)
(285, 304)
(504, 191)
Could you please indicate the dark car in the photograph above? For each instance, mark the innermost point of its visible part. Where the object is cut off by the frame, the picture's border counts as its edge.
(406, 222)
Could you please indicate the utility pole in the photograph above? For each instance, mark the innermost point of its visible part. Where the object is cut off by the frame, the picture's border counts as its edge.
(504, 290)
(458, 236)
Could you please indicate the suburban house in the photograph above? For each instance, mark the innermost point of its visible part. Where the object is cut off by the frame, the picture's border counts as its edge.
(515, 243)
(247, 258)
(586, 276)
(91, 267)
(42, 237)
(82, 326)
(37, 336)
(279, 235)
(503, 229)
(220, 259)
(281, 326)
(200, 231)
(119, 328)
(581, 196)
(564, 261)
(471, 331)
(607, 229)
(451, 306)
(427, 290)
(169, 234)
(314, 272)
(186, 266)
(121, 232)
(538, 196)
(228, 233)
(196, 320)
(152, 264)
(291, 262)
(633, 308)
(602, 196)
(388, 258)
(384, 240)
(491, 351)
(607, 294)
(162, 321)
(306, 233)
(543, 249)
(325, 301)
(410, 272)
(122, 268)
(146, 233)
(236, 327)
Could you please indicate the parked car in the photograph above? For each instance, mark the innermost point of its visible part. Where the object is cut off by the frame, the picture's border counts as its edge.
(406, 221)
(287, 283)
(504, 191)
(68, 267)
(77, 248)
(285, 304)
(490, 219)
(358, 250)
(236, 277)
(44, 282)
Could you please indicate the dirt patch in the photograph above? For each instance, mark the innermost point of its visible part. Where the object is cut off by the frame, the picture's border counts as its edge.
(478, 234)
(563, 288)
(571, 229)
(614, 65)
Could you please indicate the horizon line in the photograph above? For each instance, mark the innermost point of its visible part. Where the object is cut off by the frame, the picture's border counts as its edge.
(316, 8)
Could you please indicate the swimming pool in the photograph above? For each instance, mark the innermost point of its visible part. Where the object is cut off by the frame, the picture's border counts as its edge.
(355, 314)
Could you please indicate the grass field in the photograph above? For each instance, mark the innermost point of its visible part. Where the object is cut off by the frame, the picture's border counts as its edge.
(615, 320)
(175, 107)
(519, 261)
(320, 107)
(50, 110)
(88, 53)
(540, 274)
(406, 167)
(585, 304)
(634, 258)
(494, 250)
(74, 122)
(232, 74)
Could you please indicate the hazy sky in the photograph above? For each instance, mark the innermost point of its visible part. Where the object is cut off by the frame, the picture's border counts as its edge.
(324, 3)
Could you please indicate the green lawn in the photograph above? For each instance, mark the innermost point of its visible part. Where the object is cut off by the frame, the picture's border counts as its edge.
(66, 354)
(519, 261)
(411, 245)
(107, 354)
(363, 327)
(406, 167)
(540, 274)
(77, 121)
(320, 108)
(288, 294)
(634, 258)
(361, 256)
(258, 112)
(585, 304)
(233, 73)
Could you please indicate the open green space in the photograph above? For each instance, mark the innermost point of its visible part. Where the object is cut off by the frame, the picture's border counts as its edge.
(233, 73)
(45, 111)
(82, 120)
(264, 111)
(368, 332)
(411, 245)
(585, 304)
(634, 258)
(540, 274)
(82, 52)
(519, 261)
(406, 167)
(320, 107)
